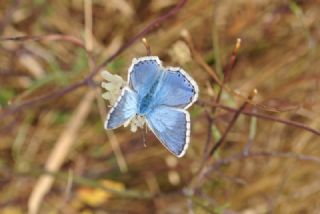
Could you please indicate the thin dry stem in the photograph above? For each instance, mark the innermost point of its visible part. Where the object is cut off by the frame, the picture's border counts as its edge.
(88, 24)
(198, 58)
(229, 67)
(146, 45)
(262, 116)
(231, 123)
(88, 79)
(49, 37)
(60, 151)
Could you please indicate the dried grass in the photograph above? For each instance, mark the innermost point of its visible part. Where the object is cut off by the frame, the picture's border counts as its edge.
(279, 56)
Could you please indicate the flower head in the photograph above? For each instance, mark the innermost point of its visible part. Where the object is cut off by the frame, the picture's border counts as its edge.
(114, 85)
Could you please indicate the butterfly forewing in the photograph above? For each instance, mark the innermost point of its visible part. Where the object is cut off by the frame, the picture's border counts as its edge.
(143, 73)
(177, 89)
(123, 110)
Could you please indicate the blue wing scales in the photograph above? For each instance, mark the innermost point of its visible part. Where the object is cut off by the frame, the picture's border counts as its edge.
(177, 89)
(172, 91)
(143, 73)
(124, 109)
(172, 128)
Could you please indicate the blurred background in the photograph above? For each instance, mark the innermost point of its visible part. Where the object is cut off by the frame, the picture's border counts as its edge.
(55, 156)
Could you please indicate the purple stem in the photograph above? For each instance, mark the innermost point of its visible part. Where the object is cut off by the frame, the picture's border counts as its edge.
(88, 79)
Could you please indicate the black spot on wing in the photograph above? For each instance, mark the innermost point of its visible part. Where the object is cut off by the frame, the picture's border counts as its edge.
(142, 62)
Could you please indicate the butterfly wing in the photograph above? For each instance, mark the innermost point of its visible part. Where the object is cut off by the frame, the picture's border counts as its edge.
(143, 73)
(172, 128)
(123, 110)
(177, 89)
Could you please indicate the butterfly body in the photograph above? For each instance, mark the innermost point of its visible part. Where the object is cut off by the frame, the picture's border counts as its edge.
(148, 100)
(161, 95)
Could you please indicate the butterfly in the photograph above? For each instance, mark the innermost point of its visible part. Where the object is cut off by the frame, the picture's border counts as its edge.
(161, 96)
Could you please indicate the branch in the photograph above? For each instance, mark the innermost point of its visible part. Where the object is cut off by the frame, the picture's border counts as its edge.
(229, 67)
(49, 37)
(153, 25)
(262, 116)
(230, 125)
(259, 154)
(88, 79)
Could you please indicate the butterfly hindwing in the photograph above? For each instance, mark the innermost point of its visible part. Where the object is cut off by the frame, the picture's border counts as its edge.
(177, 89)
(123, 110)
(172, 128)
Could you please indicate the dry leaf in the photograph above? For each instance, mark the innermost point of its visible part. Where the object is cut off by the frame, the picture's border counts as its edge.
(95, 196)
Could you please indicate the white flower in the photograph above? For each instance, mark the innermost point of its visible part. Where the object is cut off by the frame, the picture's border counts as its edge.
(114, 86)
(135, 123)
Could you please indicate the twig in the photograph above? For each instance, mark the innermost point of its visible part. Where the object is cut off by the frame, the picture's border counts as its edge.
(212, 73)
(86, 81)
(257, 154)
(228, 68)
(207, 159)
(144, 32)
(198, 58)
(49, 37)
(147, 46)
(262, 116)
(230, 125)
(226, 73)
(232, 61)
(43, 98)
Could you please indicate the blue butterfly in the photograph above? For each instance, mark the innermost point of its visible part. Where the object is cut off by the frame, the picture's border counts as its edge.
(161, 95)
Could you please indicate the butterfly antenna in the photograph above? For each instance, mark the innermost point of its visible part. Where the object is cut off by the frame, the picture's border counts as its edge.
(146, 45)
